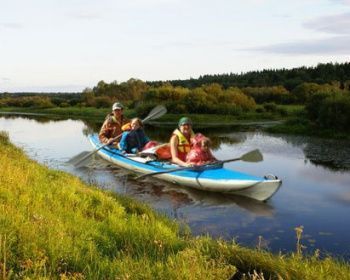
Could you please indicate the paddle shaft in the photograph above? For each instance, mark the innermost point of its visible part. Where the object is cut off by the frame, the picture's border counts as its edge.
(194, 168)
(253, 156)
(157, 112)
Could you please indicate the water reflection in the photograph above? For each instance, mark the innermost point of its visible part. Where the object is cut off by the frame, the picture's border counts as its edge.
(312, 195)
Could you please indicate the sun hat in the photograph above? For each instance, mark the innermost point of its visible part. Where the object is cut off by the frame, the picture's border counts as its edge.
(117, 106)
(185, 120)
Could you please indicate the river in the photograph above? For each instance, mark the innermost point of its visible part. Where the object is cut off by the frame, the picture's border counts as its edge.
(315, 192)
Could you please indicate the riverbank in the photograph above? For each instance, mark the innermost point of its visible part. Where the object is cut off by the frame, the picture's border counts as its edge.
(52, 225)
(281, 113)
(291, 121)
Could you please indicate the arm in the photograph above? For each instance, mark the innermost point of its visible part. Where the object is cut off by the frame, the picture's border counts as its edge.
(103, 134)
(173, 150)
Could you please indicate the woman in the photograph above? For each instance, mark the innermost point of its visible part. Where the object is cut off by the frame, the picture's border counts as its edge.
(180, 142)
(134, 140)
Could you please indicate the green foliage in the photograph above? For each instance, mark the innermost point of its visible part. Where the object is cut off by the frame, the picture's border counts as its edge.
(103, 102)
(314, 104)
(305, 91)
(288, 78)
(4, 138)
(277, 94)
(299, 125)
(133, 89)
(208, 99)
(334, 113)
(270, 107)
(329, 109)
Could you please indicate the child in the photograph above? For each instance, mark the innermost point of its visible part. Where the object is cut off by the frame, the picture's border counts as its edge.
(134, 140)
(200, 151)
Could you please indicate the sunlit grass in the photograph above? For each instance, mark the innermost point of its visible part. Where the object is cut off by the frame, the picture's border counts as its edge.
(53, 226)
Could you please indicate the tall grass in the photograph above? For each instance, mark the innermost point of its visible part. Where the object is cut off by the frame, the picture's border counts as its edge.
(53, 226)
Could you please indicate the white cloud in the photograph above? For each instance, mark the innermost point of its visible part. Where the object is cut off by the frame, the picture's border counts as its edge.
(86, 16)
(344, 2)
(334, 45)
(10, 25)
(335, 24)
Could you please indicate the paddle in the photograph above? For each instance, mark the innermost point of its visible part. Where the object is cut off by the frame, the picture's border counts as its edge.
(252, 156)
(82, 158)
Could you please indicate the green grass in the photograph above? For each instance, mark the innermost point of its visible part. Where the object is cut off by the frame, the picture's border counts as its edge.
(53, 226)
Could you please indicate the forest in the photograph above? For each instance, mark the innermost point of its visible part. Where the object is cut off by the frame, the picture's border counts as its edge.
(323, 90)
(323, 73)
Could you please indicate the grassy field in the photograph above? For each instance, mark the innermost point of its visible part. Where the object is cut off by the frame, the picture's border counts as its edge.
(53, 226)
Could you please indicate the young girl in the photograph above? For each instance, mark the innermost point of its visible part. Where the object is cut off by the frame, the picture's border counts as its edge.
(134, 140)
(200, 152)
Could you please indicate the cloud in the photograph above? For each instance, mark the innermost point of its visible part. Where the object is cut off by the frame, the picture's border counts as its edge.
(345, 2)
(86, 16)
(333, 45)
(10, 25)
(335, 24)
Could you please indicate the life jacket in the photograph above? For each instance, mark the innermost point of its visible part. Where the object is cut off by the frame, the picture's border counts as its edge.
(184, 145)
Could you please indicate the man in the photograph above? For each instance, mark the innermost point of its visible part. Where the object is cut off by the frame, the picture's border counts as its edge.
(112, 126)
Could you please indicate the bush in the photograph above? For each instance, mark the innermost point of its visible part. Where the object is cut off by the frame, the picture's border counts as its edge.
(270, 107)
(143, 109)
(282, 111)
(103, 102)
(335, 113)
(4, 137)
(314, 103)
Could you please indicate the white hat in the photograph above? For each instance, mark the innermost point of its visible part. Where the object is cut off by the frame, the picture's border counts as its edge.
(117, 106)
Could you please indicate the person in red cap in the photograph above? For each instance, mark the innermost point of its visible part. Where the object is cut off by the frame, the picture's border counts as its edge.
(112, 126)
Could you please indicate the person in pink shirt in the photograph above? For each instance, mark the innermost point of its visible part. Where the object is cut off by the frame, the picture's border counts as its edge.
(200, 152)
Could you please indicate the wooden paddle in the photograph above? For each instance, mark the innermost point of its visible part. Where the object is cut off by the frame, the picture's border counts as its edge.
(82, 158)
(252, 156)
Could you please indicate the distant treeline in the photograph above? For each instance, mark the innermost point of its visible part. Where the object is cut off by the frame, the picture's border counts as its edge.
(288, 78)
(324, 90)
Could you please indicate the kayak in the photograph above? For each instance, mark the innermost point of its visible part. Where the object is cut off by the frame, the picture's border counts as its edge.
(213, 179)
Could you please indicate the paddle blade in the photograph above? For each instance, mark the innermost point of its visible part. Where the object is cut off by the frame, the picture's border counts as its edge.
(253, 156)
(81, 159)
(156, 113)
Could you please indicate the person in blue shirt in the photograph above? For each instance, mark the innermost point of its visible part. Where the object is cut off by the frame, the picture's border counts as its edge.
(134, 140)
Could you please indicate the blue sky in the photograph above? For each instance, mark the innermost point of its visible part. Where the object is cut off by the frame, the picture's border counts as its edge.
(61, 45)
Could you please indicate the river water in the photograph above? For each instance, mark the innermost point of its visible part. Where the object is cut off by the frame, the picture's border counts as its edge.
(315, 192)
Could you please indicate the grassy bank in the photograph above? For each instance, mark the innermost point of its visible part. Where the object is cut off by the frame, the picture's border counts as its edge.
(301, 126)
(53, 226)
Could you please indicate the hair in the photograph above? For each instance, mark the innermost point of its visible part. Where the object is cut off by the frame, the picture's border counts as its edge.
(138, 120)
(206, 141)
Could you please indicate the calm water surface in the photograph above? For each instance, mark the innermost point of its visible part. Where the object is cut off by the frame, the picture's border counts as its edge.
(315, 192)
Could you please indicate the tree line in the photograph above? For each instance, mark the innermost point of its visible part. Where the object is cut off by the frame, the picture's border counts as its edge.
(323, 73)
(326, 103)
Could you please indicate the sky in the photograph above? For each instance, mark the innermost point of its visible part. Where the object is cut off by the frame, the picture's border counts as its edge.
(70, 45)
